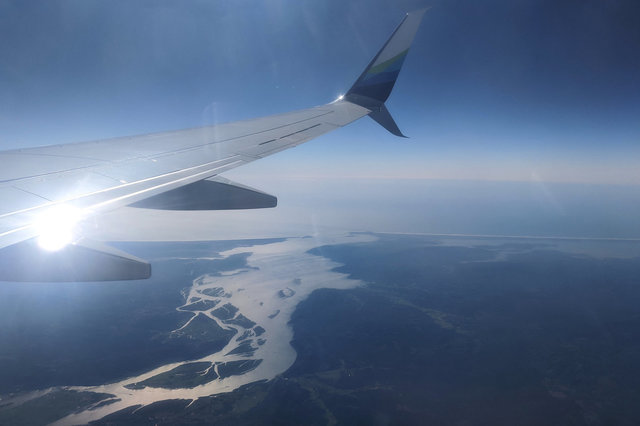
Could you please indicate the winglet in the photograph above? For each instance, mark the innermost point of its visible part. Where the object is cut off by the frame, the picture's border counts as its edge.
(374, 85)
(382, 117)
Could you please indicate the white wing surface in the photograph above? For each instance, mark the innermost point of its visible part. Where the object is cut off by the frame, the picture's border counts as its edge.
(48, 193)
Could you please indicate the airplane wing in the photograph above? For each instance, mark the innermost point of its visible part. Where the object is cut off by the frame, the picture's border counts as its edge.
(49, 194)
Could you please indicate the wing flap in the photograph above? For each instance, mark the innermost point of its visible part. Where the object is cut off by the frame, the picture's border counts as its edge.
(67, 185)
(21, 165)
(14, 200)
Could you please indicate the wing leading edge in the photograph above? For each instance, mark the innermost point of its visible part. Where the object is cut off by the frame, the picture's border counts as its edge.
(59, 187)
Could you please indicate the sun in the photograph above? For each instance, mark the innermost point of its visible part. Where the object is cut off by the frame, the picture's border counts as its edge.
(57, 226)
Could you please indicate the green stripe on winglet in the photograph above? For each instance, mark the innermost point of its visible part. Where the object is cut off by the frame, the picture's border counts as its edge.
(384, 65)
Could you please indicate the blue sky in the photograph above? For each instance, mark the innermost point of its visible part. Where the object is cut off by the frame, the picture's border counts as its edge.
(501, 90)
(535, 91)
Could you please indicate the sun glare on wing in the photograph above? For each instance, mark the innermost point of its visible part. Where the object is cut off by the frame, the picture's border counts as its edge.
(56, 227)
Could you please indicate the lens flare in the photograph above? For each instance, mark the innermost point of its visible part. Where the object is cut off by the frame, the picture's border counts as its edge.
(56, 227)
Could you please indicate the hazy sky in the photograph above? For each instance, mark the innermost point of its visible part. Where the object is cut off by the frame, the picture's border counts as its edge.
(503, 90)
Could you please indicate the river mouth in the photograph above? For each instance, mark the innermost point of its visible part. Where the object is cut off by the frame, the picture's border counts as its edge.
(245, 311)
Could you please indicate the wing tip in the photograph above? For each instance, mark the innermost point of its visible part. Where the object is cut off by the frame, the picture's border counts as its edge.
(377, 80)
(420, 11)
